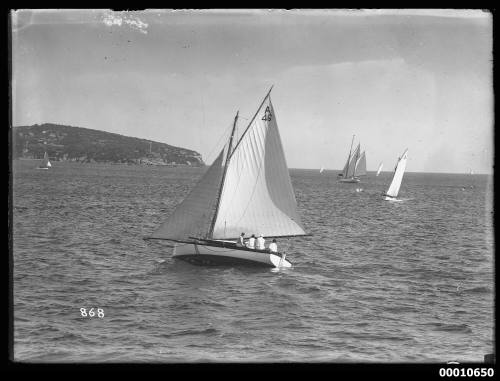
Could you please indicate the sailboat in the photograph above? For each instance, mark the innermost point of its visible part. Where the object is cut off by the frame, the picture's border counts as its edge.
(321, 170)
(379, 168)
(399, 171)
(250, 191)
(45, 162)
(354, 167)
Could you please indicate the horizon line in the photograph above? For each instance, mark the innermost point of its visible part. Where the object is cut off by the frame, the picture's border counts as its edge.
(442, 173)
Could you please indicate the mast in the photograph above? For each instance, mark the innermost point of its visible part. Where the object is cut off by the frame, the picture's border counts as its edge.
(228, 157)
(349, 157)
(251, 121)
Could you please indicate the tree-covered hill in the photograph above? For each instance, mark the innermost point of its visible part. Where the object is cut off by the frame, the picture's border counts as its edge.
(86, 145)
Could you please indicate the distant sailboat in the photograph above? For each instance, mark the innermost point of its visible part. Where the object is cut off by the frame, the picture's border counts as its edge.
(354, 167)
(45, 162)
(379, 168)
(399, 171)
(321, 170)
(250, 192)
(471, 172)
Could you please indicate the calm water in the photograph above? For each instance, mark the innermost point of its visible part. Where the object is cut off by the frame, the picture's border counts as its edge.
(378, 282)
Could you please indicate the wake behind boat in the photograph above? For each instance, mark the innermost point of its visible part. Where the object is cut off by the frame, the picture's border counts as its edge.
(206, 224)
(397, 178)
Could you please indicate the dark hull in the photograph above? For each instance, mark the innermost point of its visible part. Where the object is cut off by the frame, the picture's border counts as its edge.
(217, 260)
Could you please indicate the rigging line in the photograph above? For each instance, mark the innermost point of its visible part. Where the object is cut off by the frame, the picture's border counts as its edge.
(249, 124)
(224, 133)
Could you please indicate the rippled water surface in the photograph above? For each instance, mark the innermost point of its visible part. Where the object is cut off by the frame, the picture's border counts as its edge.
(410, 281)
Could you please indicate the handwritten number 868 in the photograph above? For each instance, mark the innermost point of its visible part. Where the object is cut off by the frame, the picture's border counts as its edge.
(91, 313)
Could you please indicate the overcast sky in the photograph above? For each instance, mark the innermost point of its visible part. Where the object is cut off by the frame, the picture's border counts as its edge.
(420, 80)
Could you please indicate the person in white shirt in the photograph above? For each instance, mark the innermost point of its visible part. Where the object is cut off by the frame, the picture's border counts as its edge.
(241, 240)
(261, 243)
(251, 242)
(273, 247)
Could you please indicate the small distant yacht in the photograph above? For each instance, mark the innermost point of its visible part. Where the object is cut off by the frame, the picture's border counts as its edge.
(354, 167)
(399, 171)
(45, 162)
(321, 170)
(381, 165)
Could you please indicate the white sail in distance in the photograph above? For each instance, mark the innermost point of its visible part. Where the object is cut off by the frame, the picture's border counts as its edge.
(360, 168)
(257, 195)
(398, 175)
(193, 216)
(45, 161)
(352, 163)
(321, 170)
(379, 169)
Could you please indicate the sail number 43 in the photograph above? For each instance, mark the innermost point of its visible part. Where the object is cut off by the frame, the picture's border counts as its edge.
(92, 312)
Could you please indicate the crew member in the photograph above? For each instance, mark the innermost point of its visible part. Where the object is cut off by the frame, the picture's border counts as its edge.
(261, 243)
(241, 240)
(273, 247)
(251, 242)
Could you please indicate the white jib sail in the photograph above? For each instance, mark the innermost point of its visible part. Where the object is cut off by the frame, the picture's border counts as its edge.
(193, 216)
(398, 176)
(257, 195)
(379, 168)
(360, 169)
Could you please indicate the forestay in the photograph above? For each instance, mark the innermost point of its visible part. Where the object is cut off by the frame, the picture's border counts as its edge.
(257, 195)
(194, 214)
(398, 176)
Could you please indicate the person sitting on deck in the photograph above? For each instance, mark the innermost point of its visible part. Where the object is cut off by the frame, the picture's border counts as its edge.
(251, 242)
(273, 247)
(261, 243)
(241, 240)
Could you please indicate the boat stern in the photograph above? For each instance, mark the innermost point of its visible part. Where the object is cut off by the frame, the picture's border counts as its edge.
(279, 260)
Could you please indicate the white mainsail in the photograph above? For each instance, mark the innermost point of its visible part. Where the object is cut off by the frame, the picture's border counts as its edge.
(193, 216)
(360, 168)
(321, 170)
(398, 175)
(379, 168)
(257, 195)
(352, 164)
